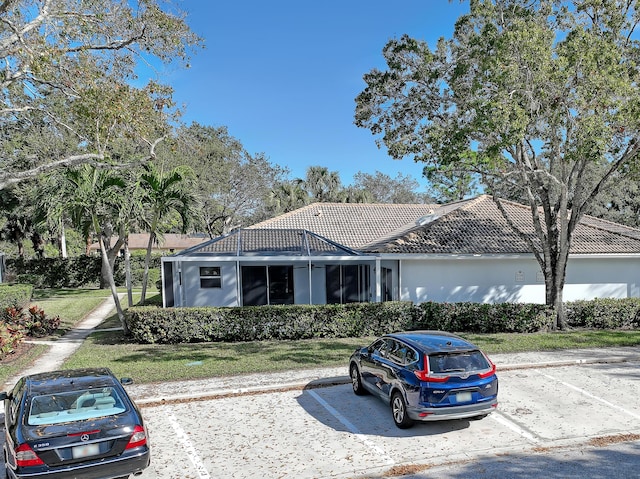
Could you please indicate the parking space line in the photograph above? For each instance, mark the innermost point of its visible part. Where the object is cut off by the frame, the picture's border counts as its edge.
(499, 417)
(187, 445)
(588, 394)
(352, 428)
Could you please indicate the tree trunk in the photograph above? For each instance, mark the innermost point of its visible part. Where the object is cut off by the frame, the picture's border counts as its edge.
(127, 269)
(145, 274)
(62, 241)
(108, 270)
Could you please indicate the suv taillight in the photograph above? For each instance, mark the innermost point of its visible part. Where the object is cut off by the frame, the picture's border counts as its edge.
(25, 456)
(138, 438)
(423, 374)
(490, 372)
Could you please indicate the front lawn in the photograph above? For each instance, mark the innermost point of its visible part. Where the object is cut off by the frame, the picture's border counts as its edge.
(161, 362)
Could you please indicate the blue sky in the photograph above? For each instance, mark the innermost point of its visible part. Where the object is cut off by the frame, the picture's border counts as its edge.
(283, 75)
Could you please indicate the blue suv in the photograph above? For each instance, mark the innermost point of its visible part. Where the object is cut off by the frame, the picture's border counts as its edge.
(426, 376)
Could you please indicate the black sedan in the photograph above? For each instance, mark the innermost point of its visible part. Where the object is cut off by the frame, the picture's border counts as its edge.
(426, 376)
(73, 424)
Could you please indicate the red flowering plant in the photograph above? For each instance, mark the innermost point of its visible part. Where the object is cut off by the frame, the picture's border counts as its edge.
(33, 321)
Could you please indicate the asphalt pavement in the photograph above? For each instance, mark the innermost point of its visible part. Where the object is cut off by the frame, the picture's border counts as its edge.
(294, 379)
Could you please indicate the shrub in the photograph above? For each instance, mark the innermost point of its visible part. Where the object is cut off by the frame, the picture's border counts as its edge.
(184, 325)
(32, 321)
(15, 295)
(10, 338)
(77, 272)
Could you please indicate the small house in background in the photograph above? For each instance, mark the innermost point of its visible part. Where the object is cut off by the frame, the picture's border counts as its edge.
(352, 252)
(169, 243)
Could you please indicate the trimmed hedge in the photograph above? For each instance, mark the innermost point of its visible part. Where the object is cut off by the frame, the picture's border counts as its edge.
(78, 272)
(185, 325)
(188, 325)
(15, 295)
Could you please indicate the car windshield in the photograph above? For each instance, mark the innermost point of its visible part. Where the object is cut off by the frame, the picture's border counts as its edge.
(74, 406)
(458, 362)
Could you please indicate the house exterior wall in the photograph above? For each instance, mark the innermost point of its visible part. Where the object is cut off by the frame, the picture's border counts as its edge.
(191, 294)
(495, 280)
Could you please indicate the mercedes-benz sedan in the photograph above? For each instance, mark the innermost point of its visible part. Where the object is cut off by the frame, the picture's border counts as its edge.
(73, 424)
(426, 376)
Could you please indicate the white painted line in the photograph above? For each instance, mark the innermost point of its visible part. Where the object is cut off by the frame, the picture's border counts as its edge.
(498, 417)
(596, 398)
(187, 445)
(352, 428)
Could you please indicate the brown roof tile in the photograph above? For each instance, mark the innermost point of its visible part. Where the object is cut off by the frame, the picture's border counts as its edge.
(350, 224)
(478, 227)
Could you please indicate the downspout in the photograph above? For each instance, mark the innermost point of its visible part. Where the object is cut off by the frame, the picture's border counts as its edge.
(306, 243)
(238, 285)
(183, 299)
(400, 280)
(378, 276)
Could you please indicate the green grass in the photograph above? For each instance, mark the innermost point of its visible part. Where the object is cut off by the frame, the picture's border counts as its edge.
(155, 363)
(513, 342)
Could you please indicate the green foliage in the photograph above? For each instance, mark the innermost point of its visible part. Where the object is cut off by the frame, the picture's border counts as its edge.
(33, 321)
(534, 99)
(294, 322)
(181, 325)
(15, 295)
(605, 313)
(483, 318)
(81, 271)
(10, 337)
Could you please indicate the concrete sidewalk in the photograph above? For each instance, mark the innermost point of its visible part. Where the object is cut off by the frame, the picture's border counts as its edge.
(64, 347)
(158, 392)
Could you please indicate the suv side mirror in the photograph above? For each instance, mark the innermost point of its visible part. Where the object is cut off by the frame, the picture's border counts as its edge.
(126, 381)
(3, 396)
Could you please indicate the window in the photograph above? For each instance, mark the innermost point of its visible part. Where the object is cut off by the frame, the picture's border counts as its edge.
(267, 285)
(210, 277)
(347, 283)
(74, 406)
(386, 279)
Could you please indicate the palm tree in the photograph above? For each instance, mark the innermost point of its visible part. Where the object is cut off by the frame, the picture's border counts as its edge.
(322, 184)
(165, 195)
(287, 197)
(95, 206)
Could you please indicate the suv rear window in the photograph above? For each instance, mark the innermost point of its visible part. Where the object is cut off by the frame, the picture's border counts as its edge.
(74, 406)
(469, 361)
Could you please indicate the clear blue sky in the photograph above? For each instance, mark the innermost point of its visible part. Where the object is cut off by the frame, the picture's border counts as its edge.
(282, 75)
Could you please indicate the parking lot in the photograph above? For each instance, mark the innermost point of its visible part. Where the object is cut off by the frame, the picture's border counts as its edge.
(330, 432)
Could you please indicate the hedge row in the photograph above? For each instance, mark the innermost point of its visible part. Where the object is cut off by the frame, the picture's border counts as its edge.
(15, 295)
(187, 325)
(78, 272)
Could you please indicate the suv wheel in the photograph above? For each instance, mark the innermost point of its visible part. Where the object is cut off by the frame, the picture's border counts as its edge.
(356, 381)
(399, 411)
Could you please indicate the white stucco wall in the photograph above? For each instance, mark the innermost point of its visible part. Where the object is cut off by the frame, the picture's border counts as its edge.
(492, 279)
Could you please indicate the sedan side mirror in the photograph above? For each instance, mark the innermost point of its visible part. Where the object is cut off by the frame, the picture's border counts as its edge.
(3, 396)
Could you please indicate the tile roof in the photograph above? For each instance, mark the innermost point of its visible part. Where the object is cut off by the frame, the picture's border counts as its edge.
(473, 226)
(270, 242)
(478, 227)
(350, 224)
(168, 241)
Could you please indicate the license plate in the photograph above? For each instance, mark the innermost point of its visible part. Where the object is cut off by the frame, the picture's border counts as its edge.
(85, 450)
(463, 397)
